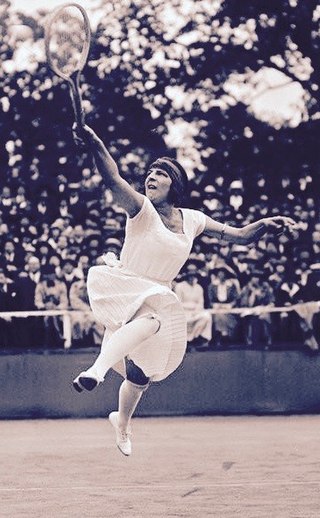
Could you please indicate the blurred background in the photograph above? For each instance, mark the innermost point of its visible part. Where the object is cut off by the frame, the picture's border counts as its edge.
(231, 89)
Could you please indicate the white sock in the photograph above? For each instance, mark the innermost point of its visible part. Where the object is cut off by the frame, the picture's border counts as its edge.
(129, 397)
(122, 343)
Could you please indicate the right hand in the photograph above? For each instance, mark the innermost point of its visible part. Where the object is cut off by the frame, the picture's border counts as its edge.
(83, 135)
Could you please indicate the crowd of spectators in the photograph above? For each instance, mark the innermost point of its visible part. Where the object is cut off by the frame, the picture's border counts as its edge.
(57, 219)
(48, 246)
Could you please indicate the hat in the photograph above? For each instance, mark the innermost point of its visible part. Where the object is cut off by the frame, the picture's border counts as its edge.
(190, 270)
(113, 242)
(74, 186)
(48, 269)
(236, 184)
(239, 249)
(209, 189)
(222, 266)
(68, 260)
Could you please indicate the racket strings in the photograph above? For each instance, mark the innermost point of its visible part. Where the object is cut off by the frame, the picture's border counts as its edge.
(67, 40)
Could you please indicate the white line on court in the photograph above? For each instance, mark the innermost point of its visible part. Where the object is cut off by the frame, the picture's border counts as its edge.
(138, 487)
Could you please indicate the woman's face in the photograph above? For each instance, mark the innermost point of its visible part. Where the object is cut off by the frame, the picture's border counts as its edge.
(157, 185)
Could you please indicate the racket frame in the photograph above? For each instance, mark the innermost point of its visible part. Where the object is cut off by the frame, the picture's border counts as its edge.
(73, 79)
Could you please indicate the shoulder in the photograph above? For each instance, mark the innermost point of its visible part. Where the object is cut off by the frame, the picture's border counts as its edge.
(195, 219)
(147, 209)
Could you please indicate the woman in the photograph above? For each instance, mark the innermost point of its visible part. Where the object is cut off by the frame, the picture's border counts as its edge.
(144, 320)
(223, 292)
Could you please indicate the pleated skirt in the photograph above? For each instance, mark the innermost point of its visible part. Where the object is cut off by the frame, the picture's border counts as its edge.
(116, 297)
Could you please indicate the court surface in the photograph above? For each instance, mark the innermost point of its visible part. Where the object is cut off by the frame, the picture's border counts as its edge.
(247, 467)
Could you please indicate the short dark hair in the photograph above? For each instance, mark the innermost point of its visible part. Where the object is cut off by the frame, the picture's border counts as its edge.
(179, 188)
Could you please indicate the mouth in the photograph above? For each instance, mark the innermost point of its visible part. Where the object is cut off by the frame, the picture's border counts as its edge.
(151, 186)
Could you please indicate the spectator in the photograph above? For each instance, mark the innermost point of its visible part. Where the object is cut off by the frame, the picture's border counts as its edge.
(223, 293)
(85, 330)
(53, 237)
(77, 207)
(30, 329)
(199, 322)
(69, 273)
(287, 294)
(211, 200)
(257, 326)
(6, 202)
(236, 195)
(62, 247)
(309, 315)
(7, 303)
(12, 259)
(51, 294)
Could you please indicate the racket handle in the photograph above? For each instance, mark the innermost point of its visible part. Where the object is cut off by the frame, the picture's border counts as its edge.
(76, 99)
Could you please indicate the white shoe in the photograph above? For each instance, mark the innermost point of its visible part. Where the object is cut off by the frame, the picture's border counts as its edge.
(87, 380)
(122, 436)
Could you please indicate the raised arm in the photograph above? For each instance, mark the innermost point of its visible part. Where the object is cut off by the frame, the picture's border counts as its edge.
(123, 194)
(249, 233)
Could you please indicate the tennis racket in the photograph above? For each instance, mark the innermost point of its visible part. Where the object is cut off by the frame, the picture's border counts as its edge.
(67, 44)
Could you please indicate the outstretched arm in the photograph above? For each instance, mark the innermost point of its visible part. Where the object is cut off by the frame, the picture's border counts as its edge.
(249, 233)
(122, 191)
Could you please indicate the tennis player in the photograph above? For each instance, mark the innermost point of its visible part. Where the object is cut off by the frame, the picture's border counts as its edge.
(145, 336)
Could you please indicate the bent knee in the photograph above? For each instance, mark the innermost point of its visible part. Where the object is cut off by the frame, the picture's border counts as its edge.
(135, 375)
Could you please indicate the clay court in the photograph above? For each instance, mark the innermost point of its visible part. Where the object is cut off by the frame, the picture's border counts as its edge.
(249, 467)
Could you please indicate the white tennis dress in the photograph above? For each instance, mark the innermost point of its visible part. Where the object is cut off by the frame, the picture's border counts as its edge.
(139, 284)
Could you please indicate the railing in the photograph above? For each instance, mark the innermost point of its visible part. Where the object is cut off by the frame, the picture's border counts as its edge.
(305, 310)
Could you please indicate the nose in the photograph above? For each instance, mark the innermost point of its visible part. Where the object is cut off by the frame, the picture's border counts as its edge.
(150, 177)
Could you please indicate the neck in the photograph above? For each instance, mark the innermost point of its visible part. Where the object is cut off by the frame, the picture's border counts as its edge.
(165, 209)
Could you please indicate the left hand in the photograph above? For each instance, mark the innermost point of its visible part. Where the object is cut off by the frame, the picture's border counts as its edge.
(279, 224)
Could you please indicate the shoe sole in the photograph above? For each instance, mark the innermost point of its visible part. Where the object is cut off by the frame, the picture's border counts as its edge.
(84, 383)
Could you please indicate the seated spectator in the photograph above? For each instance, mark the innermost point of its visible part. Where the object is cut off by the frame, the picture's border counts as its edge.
(69, 273)
(241, 263)
(30, 329)
(83, 264)
(43, 251)
(76, 206)
(51, 293)
(310, 314)
(62, 184)
(62, 247)
(7, 303)
(287, 294)
(12, 259)
(223, 293)
(257, 326)
(56, 261)
(89, 184)
(43, 211)
(53, 237)
(191, 295)
(6, 202)
(211, 200)
(111, 224)
(113, 245)
(78, 235)
(4, 229)
(85, 330)
(63, 210)
(93, 248)
(236, 195)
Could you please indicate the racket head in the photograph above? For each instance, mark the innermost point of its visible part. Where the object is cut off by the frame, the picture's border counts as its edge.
(67, 40)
